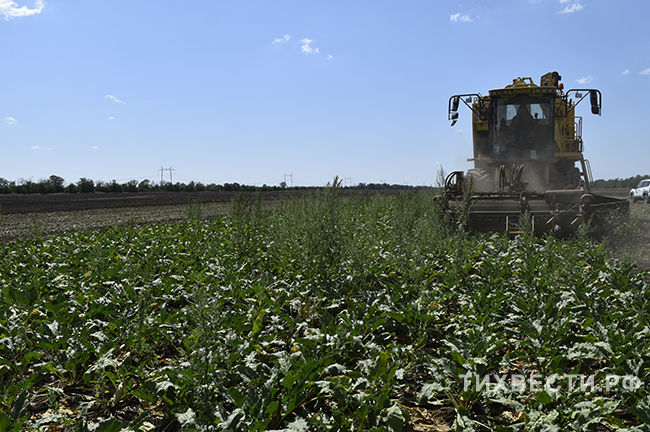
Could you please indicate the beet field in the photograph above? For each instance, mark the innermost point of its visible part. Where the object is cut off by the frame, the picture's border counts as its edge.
(328, 313)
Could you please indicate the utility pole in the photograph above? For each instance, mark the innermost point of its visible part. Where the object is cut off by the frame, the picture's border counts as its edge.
(170, 169)
(288, 176)
(162, 170)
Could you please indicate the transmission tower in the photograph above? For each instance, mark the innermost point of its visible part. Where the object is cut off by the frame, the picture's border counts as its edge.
(288, 176)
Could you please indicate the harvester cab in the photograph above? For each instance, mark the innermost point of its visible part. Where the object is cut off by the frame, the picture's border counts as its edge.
(528, 159)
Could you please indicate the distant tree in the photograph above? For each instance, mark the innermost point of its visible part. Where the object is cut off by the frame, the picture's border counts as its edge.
(115, 186)
(86, 185)
(71, 188)
(6, 186)
(627, 183)
(144, 185)
(283, 184)
(130, 186)
(232, 187)
(55, 183)
(26, 187)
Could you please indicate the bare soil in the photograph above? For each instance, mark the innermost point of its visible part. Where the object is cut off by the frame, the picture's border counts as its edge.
(24, 216)
(34, 203)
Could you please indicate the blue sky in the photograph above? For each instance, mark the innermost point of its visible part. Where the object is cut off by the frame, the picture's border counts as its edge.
(247, 91)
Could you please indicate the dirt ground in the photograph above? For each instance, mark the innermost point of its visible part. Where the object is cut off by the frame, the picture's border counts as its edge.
(62, 202)
(24, 216)
(21, 226)
(631, 239)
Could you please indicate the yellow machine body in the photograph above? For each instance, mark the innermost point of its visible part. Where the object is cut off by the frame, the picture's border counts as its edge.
(528, 157)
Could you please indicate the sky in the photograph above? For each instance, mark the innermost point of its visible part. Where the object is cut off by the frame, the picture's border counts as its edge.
(250, 90)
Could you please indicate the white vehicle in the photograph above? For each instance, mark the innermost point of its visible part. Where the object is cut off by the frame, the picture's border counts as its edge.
(641, 191)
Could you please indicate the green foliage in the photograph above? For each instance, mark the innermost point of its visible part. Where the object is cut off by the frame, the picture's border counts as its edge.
(85, 185)
(329, 313)
(626, 183)
(54, 184)
(193, 211)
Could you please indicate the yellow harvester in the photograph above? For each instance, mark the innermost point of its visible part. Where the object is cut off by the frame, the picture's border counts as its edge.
(528, 159)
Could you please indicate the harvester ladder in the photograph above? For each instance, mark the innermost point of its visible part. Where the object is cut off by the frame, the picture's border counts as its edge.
(514, 228)
(586, 173)
(588, 165)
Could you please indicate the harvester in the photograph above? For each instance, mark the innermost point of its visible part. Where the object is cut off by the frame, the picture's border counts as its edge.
(528, 161)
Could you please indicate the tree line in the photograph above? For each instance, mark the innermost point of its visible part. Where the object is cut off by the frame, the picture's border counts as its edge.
(627, 183)
(57, 184)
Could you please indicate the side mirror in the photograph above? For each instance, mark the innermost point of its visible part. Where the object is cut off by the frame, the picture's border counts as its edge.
(595, 103)
(454, 103)
(453, 117)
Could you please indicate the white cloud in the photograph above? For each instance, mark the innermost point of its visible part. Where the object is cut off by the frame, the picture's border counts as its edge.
(111, 97)
(330, 56)
(111, 118)
(457, 17)
(645, 72)
(307, 48)
(282, 39)
(585, 79)
(95, 147)
(571, 8)
(10, 120)
(626, 71)
(37, 147)
(10, 9)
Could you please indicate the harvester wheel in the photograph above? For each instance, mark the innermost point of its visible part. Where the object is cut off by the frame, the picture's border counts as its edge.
(645, 198)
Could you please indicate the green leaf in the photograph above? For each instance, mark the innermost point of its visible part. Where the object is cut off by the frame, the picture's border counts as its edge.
(395, 418)
(20, 407)
(543, 398)
(186, 419)
(110, 425)
(233, 421)
(272, 408)
(5, 422)
(430, 391)
(298, 425)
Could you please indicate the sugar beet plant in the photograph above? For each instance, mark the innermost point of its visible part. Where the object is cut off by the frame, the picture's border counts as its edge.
(328, 313)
